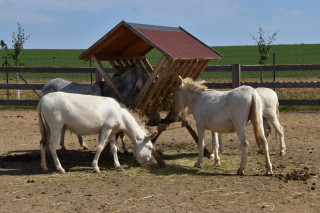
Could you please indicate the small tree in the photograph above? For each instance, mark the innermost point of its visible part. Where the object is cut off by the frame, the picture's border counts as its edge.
(18, 40)
(263, 46)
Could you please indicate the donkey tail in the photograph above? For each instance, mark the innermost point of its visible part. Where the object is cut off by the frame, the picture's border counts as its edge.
(256, 119)
(42, 127)
(278, 116)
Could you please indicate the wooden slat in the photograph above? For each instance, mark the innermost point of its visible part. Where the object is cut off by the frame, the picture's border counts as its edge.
(190, 68)
(114, 66)
(218, 68)
(125, 62)
(19, 102)
(148, 83)
(147, 64)
(185, 68)
(159, 84)
(138, 62)
(219, 85)
(106, 77)
(48, 69)
(22, 86)
(119, 62)
(174, 125)
(287, 67)
(165, 93)
(295, 102)
(200, 70)
(313, 84)
(196, 69)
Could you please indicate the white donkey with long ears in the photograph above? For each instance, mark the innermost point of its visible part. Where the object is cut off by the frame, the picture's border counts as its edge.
(222, 112)
(270, 113)
(88, 115)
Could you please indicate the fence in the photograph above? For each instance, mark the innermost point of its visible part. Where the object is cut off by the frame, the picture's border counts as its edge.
(236, 71)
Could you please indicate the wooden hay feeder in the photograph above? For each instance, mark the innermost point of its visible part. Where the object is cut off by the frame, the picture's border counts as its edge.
(128, 43)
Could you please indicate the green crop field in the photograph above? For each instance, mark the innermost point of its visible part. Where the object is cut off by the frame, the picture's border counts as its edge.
(247, 55)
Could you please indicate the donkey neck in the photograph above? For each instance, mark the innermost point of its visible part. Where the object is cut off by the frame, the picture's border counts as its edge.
(130, 126)
(190, 97)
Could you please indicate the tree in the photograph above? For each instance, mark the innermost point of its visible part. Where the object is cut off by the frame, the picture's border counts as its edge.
(18, 40)
(263, 45)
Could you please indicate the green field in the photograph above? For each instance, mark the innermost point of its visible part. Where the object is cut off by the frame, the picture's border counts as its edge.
(246, 55)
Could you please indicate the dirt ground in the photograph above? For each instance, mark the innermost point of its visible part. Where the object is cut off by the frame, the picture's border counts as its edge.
(180, 187)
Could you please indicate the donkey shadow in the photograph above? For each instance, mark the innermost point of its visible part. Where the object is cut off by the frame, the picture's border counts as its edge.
(27, 162)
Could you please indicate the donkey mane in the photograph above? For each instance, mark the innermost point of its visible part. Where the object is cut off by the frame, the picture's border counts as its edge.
(139, 120)
(195, 86)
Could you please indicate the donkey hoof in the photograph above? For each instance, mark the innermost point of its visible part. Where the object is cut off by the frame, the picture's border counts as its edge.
(217, 164)
(269, 173)
(62, 171)
(96, 170)
(120, 168)
(282, 154)
(85, 148)
(240, 172)
(198, 165)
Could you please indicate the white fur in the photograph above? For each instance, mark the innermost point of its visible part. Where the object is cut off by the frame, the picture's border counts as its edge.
(223, 112)
(270, 112)
(88, 115)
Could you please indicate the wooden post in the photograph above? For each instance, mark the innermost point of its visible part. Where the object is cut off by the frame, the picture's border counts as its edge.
(236, 75)
(106, 77)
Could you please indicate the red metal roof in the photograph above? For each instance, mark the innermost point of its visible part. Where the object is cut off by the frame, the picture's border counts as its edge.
(139, 39)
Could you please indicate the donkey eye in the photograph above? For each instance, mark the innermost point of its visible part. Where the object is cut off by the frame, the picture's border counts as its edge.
(148, 146)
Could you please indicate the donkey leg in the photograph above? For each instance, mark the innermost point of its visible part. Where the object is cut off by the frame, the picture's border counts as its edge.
(53, 149)
(221, 146)
(200, 146)
(103, 136)
(43, 148)
(123, 144)
(114, 150)
(279, 130)
(63, 131)
(244, 148)
(82, 144)
(215, 152)
(267, 156)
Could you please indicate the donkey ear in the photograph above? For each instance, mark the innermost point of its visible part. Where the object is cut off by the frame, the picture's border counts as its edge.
(179, 81)
(151, 135)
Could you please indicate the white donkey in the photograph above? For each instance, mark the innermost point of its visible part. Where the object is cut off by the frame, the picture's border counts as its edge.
(222, 112)
(88, 115)
(270, 112)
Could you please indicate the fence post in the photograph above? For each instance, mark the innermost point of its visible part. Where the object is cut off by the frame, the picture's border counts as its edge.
(236, 75)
